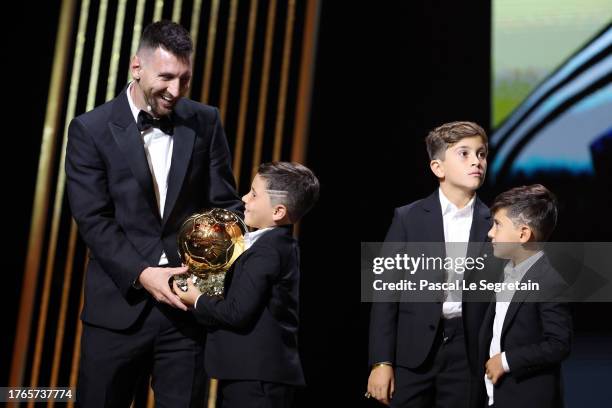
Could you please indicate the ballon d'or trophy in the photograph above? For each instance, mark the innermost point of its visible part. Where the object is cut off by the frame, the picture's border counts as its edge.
(208, 243)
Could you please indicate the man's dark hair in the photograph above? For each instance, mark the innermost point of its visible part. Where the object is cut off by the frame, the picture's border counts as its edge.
(446, 135)
(292, 185)
(168, 35)
(534, 206)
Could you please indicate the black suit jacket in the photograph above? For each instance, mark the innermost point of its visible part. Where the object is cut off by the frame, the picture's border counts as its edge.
(536, 337)
(256, 336)
(403, 333)
(112, 197)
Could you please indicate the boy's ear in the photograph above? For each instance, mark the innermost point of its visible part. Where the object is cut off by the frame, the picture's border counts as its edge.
(437, 168)
(526, 234)
(280, 212)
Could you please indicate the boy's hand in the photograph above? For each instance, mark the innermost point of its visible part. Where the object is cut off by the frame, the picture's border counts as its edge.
(381, 384)
(189, 298)
(494, 368)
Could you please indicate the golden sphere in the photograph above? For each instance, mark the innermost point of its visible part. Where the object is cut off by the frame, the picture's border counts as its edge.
(208, 243)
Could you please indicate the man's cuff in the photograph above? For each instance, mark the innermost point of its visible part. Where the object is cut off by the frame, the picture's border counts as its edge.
(382, 363)
(136, 284)
(505, 362)
(195, 305)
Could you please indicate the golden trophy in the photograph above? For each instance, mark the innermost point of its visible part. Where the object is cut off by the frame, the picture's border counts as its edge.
(209, 243)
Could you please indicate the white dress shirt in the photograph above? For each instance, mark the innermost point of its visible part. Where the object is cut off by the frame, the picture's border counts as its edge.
(457, 225)
(251, 237)
(511, 274)
(158, 149)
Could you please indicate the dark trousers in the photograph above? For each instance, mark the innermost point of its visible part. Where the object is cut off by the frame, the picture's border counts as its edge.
(255, 394)
(165, 342)
(443, 380)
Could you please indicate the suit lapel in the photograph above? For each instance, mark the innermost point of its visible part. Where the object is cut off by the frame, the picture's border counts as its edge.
(481, 224)
(520, 295)
(433, 232)
(129, 140)
(184, 138)
(265, 239)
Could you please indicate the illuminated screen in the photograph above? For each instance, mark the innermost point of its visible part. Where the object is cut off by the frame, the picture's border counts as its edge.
(551, 86)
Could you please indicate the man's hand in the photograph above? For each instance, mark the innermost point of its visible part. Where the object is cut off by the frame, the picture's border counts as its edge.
(155, 281)
(381, 383)
(494, 368)
(189, 298)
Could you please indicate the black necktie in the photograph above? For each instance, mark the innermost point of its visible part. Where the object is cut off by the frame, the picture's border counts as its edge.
(146, 121)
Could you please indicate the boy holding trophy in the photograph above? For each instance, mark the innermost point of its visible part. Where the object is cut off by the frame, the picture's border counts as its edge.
(252, 344)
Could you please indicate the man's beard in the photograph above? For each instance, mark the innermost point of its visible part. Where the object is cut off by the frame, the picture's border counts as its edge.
(153, 105)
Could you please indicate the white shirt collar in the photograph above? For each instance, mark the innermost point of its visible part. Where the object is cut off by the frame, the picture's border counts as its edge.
(448, 207)
(517, 272)
(135, 110)
(251, 237)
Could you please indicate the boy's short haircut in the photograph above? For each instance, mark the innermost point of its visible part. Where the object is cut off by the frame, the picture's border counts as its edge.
(291, 184)
(532, 205)
(168, 35)
(446, 135)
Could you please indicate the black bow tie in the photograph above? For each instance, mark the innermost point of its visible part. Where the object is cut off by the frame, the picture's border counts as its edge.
(146, 121)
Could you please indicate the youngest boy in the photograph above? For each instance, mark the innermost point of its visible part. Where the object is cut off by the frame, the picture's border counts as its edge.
(252, 347)
(526, 333)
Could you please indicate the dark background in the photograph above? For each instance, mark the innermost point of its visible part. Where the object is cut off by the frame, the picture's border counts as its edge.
(385, 75)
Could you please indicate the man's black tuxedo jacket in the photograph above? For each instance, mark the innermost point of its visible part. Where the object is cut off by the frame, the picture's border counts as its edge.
(403, 332)
(536, 337)
(112, 197)
(257, 321)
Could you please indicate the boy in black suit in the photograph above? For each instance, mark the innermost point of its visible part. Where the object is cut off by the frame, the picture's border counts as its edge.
(526, 332)
(253, 348)
(426, 354)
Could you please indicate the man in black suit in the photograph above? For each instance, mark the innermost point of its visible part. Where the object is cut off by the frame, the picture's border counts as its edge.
(426, 354)
(527, 330)
(252, 347)
(136, 168)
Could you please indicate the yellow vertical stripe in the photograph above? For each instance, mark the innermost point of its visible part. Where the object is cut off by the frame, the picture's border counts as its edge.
(159, 8)
(244, 92)
(194, 29)
(116, 51)
(263, 89)
(227, 60)
(137, 30)
(61, 325)
(150, 397)
(195, 22)
(177, 7)
(210, 50)
(95, 63)
(284, 79)
(213, 389)
(76, 351)
(302, 110)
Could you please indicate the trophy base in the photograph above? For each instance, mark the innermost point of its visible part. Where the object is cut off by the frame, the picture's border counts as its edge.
(211, 285)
